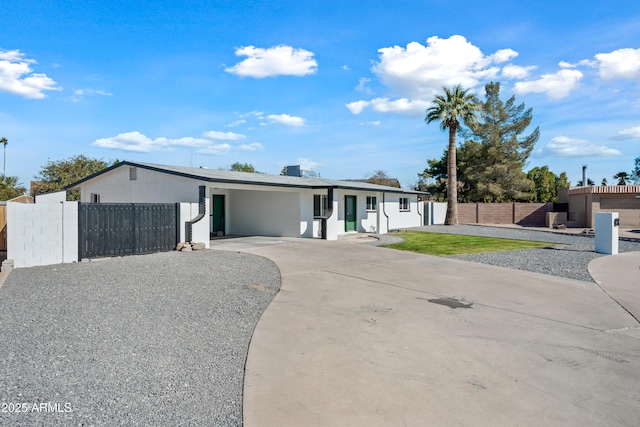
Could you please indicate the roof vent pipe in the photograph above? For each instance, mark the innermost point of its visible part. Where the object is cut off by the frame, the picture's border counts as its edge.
(584, 175)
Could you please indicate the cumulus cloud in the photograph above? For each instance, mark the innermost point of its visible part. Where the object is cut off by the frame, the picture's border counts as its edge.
(356, 107)
(516, 72)
(621, 64)
(286, 119)
(17, 76)
(236, 123)
(362, 85)
(274, 61)
(140, 143)
(415, 73)
(556, 86)
(224, 136)
(419, 71)
(629, 133)
(254, 146)
(564, 146)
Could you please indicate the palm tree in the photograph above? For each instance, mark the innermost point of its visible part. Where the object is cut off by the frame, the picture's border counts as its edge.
(10, 187)
(4, 141)
(622, 177)
(449, 109)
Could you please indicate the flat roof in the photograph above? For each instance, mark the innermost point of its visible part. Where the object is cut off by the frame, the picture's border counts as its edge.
(249, 178)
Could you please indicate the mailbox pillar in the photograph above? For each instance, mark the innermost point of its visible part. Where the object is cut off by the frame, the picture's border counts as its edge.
(607, 224)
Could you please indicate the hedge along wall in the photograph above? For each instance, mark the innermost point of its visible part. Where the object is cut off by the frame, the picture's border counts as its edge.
(529, 214)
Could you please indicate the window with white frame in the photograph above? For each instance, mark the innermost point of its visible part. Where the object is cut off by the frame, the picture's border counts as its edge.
(372, 203)
(320, 204)
(95, 198)
(404, 204)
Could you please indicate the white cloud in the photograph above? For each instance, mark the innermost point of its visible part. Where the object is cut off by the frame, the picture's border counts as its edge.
(17, 77)
(564, 146)
(629, 133)
(420, 71)
(215, 150)
(356, 107)
(254, 146)
(371, 123)
(402, 105)
(287, 120)
(138, 142)
(274, 61)
(556, 85)
(304, 161)
(79, 94)
(621, 63)
(416, 73)
(223, 136)
(516, 72)
(345, 67)
(236, 123)
(503, 55)
(362, 85)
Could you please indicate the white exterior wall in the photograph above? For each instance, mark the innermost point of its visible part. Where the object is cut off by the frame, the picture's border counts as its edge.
(434, 213)
(149, 187)
(43, 233)
(266, 213)
(200, 229)
(402, 219)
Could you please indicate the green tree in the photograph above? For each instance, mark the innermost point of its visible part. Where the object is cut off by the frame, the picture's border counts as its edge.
(622, 177)
(497, 150)
(590, 183)
(57, 175)
(635, 174)
(546, 184)
(10, 187)
(380, 177)
(604, 182)
(451, 110)
(242, 167)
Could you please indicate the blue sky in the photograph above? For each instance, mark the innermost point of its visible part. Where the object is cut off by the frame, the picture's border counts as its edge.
(338, 86)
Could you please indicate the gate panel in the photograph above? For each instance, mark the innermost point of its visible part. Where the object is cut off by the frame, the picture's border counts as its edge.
(118, 229)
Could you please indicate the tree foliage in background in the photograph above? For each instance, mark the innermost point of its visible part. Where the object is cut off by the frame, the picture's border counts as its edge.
(622, 177)
(243, 167)
(490, 162)
(546, 184)
(590, 183)
(57, 175)
(451, 110)
(11, 187)
(635, 173)
(497, 150)
(380, 177)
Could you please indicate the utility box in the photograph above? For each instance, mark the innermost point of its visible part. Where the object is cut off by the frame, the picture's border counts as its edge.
(607, 225)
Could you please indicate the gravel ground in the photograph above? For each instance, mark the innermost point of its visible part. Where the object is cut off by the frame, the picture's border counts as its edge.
(142, 340)
(570, 259)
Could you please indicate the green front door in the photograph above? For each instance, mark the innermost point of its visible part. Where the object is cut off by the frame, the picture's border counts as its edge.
(349, 213)
(217, 213)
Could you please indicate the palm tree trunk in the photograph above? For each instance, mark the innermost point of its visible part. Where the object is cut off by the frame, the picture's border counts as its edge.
(452, 180)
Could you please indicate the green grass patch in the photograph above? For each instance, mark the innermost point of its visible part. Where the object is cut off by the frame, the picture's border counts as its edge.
(453, 244)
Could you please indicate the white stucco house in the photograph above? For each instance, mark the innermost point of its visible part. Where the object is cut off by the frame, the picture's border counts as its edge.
(243, 204)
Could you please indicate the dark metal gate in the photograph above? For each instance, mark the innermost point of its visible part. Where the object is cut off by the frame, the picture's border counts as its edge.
(116, 229)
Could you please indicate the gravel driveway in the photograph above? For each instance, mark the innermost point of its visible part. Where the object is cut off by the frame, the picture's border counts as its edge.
(142, 340)
(162, 339)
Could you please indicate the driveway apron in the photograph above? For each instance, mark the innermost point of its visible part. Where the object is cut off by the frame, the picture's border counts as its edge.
(363, 336)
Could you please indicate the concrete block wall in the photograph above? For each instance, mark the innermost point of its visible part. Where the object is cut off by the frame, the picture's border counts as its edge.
(528, 214)
(43, 233)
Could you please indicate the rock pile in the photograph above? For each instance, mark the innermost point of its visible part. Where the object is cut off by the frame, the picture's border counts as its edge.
(190, 246)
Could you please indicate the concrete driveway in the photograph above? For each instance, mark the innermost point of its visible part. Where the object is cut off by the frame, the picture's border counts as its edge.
(366, 336)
